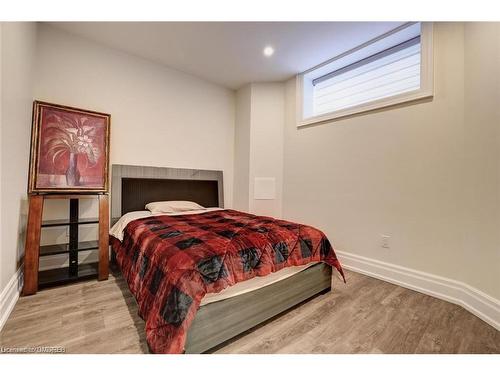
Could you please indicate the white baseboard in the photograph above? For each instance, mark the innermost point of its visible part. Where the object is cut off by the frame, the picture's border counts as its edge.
(10, 295)
(478, 303)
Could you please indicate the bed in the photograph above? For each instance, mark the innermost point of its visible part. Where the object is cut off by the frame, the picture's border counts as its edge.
(220, 282)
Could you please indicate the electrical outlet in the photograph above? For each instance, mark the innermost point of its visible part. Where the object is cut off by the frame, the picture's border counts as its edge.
(384, 241)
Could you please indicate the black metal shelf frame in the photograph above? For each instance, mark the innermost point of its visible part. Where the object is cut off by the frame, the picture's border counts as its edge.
(74, 271)
(64, 248)
(65, 222)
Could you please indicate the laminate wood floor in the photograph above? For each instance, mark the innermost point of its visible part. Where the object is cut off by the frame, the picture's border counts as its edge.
(364, 316)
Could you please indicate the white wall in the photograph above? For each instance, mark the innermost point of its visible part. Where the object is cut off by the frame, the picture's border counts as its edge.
(259, 145)
(426, 174)
(242, 149)
(1, 131)
(17, 52)
(266, 144)
(159, 116)
(482, 156)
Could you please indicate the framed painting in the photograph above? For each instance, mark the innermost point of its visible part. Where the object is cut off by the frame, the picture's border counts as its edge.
(69, 150)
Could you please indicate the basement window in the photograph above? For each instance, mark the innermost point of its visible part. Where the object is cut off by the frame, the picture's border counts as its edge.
(391, 69)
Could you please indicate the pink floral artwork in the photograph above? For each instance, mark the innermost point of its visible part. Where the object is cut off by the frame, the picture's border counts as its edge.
(72, 150)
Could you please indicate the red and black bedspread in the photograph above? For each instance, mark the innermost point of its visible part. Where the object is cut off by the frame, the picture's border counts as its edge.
(171, 262)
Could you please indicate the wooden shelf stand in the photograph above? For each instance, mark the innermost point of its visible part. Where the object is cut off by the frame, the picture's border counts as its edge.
(33, 278)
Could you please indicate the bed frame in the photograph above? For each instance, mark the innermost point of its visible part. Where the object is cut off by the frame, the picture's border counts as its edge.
(134, 186)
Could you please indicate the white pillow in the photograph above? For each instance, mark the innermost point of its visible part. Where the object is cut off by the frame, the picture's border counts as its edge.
(170, 207)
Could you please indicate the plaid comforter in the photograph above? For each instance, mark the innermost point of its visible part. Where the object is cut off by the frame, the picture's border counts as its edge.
(171, 262)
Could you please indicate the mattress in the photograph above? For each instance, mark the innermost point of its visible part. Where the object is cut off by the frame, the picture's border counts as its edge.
(233, 291)
(253, 284)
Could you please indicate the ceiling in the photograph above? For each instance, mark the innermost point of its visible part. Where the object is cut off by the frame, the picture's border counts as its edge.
(230, 53)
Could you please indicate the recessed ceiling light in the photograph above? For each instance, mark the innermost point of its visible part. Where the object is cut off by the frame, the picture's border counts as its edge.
(268, 51)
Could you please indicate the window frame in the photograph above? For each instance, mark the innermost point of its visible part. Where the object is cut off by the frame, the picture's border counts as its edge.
(426, 84)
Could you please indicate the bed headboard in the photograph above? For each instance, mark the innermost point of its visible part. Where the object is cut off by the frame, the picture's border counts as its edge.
(132, 187)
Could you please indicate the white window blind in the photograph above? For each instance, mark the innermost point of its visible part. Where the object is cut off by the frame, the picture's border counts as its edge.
(393, 71)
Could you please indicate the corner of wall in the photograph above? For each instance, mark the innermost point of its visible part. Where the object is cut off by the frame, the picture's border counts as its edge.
(18, 45)
(1, 131)
(259, 145)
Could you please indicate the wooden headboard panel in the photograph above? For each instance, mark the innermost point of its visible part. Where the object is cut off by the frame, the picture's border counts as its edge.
(132, 187)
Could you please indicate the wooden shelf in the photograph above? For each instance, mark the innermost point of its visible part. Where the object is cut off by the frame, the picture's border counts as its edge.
(64, 248)
(71, 196)
(65, 222)
(60, 276)
(33, 277)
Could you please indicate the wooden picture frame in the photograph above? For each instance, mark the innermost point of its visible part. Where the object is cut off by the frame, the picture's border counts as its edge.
(69, 150)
